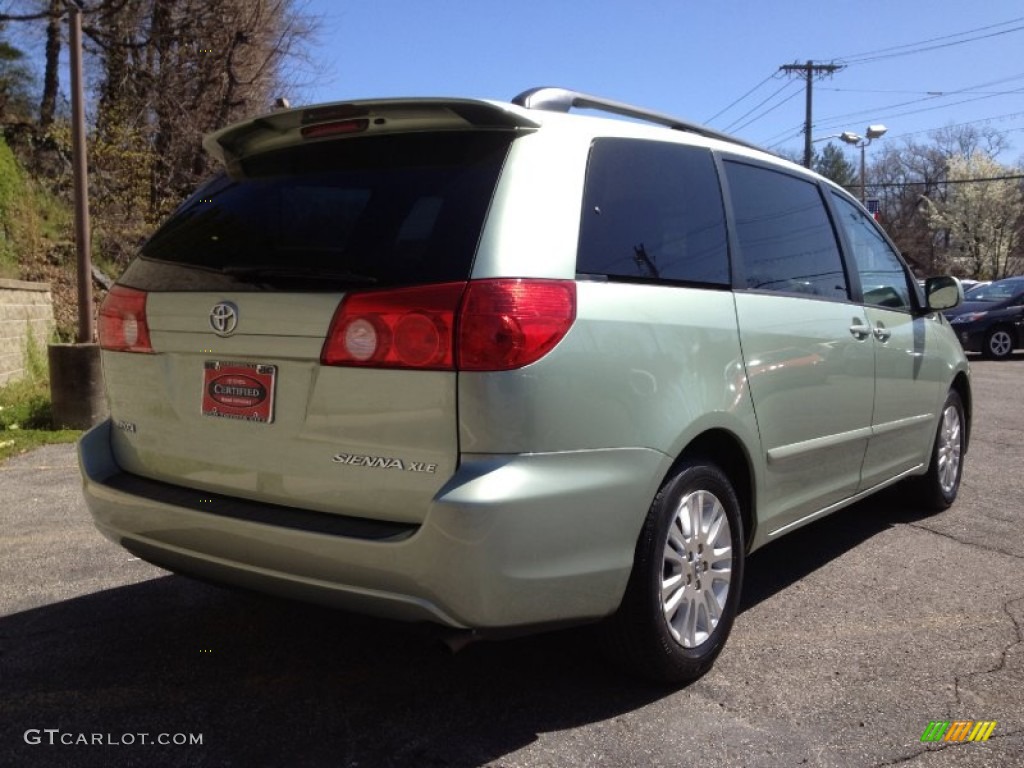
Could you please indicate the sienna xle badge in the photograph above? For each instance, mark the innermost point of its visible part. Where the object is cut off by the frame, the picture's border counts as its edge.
(493, 365)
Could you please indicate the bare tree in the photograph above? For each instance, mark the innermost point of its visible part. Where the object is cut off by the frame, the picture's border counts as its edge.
(172, 71)
(911, 175)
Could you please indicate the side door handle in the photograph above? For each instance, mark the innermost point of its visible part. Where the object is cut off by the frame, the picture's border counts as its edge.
(882, 333)
(859, 330)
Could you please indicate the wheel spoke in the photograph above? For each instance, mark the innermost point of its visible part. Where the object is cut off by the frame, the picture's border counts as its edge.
(690, 625)
(672, 591)
(712, 605)
(718, 525)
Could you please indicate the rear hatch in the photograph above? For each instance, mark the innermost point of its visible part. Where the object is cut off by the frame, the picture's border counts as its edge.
(215, 360)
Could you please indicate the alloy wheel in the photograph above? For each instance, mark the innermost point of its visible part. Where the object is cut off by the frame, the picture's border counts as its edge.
(697, 568)
(949, 449)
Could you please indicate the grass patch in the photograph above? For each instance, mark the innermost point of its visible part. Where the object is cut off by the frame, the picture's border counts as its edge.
(26, 415)
(25, 440)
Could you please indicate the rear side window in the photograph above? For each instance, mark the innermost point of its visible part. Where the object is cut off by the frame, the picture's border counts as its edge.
(652, 211)
(369, 211)
(784, 233)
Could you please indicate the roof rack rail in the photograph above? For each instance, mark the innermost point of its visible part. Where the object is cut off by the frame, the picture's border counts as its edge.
(563, 99)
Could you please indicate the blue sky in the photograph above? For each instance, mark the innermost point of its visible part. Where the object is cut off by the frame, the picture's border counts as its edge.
(693, 59)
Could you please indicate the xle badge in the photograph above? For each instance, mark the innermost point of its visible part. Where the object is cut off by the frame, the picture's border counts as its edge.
(383, 462)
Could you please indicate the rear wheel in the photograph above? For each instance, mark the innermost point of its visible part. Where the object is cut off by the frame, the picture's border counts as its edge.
(998, 344)
(683, 593)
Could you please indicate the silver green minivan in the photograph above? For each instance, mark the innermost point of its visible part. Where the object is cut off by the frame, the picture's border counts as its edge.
(502, 366)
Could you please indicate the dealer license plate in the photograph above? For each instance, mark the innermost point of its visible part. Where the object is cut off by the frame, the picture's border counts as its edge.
(242, 391)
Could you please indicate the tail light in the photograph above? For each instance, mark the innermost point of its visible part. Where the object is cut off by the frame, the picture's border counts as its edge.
(484, 325)
(122, 323)
(506, 324)
(402, 328)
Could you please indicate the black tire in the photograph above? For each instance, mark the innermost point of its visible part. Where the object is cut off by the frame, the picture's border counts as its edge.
(640, 634)
(998, 344)
(938, 489)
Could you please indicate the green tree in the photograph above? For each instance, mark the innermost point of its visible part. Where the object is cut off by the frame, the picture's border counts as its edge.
(832, 164)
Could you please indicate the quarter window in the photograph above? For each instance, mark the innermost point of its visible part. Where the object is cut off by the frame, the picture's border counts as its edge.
(882, 276)
(785, 237)
(653, 211)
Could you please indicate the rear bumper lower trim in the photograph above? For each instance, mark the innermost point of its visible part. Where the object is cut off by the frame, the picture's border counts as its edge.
(306, 520)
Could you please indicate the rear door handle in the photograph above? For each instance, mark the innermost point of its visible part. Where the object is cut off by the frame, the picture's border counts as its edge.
(882, 333)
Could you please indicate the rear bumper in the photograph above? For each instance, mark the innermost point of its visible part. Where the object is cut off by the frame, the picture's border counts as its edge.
(509, 541)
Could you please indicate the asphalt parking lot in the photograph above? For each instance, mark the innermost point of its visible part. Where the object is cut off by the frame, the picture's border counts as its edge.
(854, 634)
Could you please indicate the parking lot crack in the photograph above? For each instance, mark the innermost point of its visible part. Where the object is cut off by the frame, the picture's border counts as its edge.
(927, 749)
(958, 540)
(1018, 630)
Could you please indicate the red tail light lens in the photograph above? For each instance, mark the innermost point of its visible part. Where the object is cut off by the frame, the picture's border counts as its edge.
(401, 328)
(501, 324)
(122, 323)
(506, 324)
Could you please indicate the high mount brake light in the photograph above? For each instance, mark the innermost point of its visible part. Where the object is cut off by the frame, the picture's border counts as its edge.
(334, 129)
(483, 325)
(122, 321)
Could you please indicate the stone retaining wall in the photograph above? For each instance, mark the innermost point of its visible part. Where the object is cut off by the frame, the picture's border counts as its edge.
(25, 308)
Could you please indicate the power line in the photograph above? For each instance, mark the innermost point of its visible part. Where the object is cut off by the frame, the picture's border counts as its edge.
(758, 105)
(741, 98)
(768, 111)
(1007, 116)
(781, 138)
(935, 94)
(924, 45)
(880, 111)
(826, 126)
(1011, 177)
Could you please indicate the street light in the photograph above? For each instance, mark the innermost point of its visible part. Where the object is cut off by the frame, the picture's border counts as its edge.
(873, 132)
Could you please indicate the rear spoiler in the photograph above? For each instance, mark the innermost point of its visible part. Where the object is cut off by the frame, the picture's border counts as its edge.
(235, 143)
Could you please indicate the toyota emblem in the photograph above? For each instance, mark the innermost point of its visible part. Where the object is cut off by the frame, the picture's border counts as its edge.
(224, 318)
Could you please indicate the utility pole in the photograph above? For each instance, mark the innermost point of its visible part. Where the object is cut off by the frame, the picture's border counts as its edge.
(81, 178)
(76, 376)
(809, 69)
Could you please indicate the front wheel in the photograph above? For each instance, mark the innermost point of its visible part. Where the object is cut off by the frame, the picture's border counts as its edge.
(684, 590)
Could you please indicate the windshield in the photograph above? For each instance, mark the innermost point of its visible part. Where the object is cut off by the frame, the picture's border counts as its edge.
(1000, 291)
(390, 210)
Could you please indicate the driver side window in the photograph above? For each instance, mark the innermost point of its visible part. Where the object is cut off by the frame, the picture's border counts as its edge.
(882, 276)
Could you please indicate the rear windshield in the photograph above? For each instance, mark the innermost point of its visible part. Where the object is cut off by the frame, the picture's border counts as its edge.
(376, 211)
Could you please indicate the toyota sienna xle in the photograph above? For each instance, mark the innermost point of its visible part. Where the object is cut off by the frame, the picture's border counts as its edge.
(496, 366)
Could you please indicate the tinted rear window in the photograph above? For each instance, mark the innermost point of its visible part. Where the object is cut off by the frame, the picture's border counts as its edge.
(377, 211)
(785, 235)
(652, 211)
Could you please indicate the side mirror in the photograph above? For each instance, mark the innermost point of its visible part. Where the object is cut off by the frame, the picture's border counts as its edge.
(943, 293)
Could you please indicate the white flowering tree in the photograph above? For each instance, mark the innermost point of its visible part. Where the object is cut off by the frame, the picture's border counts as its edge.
(981, 217)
